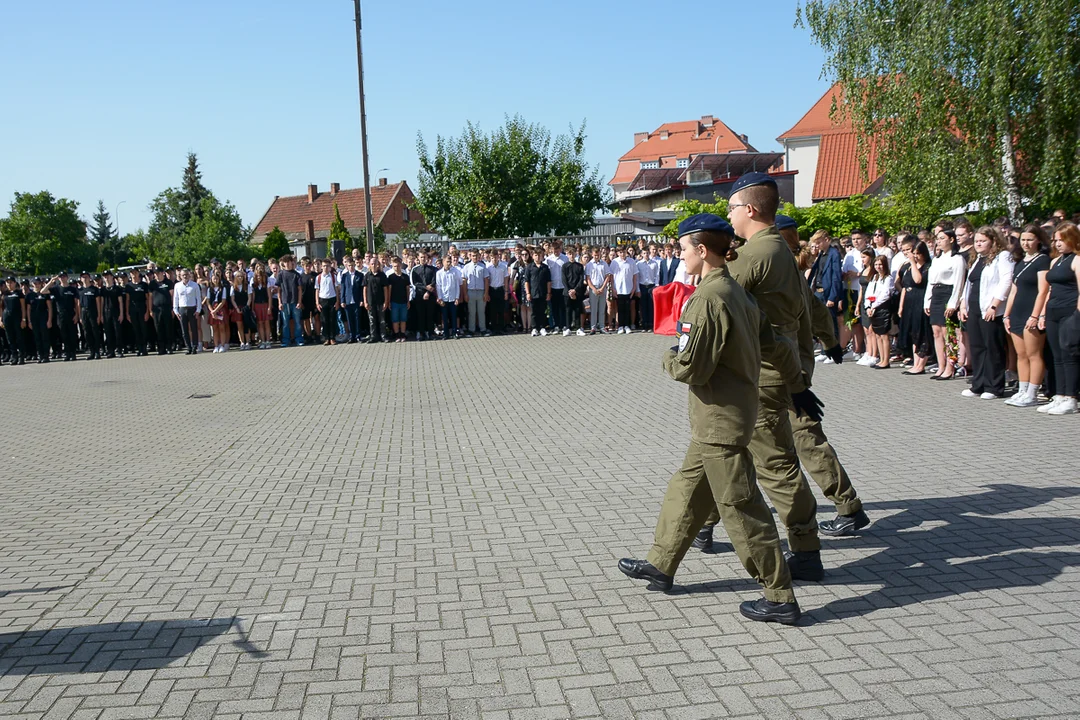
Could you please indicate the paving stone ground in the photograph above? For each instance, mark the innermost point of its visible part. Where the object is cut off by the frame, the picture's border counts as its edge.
(431, 530)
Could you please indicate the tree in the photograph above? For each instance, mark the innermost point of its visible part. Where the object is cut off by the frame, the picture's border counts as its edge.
(514, 182)
(43, 234)
(973, 100)
(380, 239)
(192, 191)
(409, 234)
(276, 244)
(101, 229)
(338, 231)
(686, 208)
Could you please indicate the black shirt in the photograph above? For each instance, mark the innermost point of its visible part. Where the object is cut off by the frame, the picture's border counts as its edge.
(399, 287)
(64, 297)
(539, 278)
(1062, 279)
(374, 282)
(137, 293)
(38, 304)
(13, 300)
(112, 297)
(88, 297)
(307, 288)
(422, 276)
(573, 274)
(162, 294)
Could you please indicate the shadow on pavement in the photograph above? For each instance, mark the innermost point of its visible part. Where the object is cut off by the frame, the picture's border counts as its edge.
(30, 591)
(113, 646)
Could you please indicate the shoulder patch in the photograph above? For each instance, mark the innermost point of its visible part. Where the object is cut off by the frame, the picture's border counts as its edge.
(684, 327)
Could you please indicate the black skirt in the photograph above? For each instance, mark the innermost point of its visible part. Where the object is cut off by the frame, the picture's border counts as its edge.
(939, 300)
(881, 322)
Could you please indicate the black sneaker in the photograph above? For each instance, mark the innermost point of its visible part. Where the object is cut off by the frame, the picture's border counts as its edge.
(805, 565)
(763, 610)
(703, 541)
(844, 525)
(641, 570)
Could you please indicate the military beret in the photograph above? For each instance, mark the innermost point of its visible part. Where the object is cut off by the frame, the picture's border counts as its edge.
(705, 222)
(750, 180)
(783, 222)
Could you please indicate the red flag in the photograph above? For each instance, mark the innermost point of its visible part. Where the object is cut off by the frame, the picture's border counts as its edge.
(668, 304)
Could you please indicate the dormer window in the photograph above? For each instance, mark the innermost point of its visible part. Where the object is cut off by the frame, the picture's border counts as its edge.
(650, 164)
(682, 162)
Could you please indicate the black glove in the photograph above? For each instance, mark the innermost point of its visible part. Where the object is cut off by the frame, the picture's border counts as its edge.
(836, 353)
(806, 402)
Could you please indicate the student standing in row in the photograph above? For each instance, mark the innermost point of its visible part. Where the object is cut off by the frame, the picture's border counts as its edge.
(14, 320)
(40, 308)
(496, 311)
(574, 282)
(187, 299)
(112, 306)
(137, 309)
(648, 267)
(425, 296)
(946, 281)
(90, 304)
(448, 283)
(351, 293)
(327, 301)
(555, 262)
(260, 302)
(477, 283)
(66, 310)
(399, 285)
(982, 311)
(238, 308)
(538, 289)
(376, 299)
(598, 278)
(1026, 301)
(161, 293)
(625, 280)
(1064, 280)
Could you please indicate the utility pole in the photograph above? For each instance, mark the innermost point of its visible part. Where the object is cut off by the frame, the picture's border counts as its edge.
(363, 135)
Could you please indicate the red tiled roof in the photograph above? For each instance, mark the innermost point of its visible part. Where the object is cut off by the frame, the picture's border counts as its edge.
(292, 213)
(838, 172)
(684, 139)
(816, 120)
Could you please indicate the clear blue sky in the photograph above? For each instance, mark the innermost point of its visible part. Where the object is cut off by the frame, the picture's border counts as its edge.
(103, 99)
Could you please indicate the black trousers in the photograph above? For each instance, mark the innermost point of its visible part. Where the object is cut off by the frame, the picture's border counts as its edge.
(189, 326)
(13, 331)
(1066, 366)
(329, 319)
(539, 309)
(138, 329)
(163, 326)
(376, 323)
(69, 338)
(646, 305)
(496, 310)
(41, 336)
(558, 308)
(91, 333)
(275, 309)
(111, 329)
(425, 313)
(622, 307)
(986, 340)
(574, 308)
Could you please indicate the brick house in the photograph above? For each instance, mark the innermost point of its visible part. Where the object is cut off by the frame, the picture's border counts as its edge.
(305, 219)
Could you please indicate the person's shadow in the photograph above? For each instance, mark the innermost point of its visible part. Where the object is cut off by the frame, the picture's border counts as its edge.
(967, 546)
(126, 646)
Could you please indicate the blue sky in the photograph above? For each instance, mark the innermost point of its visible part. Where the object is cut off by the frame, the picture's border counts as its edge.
(104, 99)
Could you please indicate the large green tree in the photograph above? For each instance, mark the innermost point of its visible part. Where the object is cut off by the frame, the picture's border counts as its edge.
(515, 181)
(100, 229)
(43, 234)
(965, 99)
(275, 244)
(338, 231)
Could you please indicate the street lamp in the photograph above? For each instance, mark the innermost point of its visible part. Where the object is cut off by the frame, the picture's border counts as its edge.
(116, 216)
(363, 134)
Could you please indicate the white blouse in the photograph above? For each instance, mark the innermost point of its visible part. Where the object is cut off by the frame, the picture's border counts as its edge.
(947, 270)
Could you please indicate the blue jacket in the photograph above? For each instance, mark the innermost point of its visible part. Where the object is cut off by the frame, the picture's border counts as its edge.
(827, 276)
(667, 270)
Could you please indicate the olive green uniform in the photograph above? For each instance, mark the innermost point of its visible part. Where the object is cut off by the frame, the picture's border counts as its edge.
(817, 456)
(723, 338)
(766, 269)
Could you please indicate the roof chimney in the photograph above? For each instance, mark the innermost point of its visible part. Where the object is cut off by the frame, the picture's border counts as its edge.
(664, 134)
(707, 120)
(744, 138)
(640, 137)
(311, 230)
(335, 188)
(382, 182)
(312, 192)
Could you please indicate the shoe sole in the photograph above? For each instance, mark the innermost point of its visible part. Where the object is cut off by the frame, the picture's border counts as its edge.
(652, 583)
(783, 619)
(851, 531)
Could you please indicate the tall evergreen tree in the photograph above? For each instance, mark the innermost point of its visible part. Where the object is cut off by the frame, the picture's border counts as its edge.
(192, 191)
(100, 229)
(338, 231)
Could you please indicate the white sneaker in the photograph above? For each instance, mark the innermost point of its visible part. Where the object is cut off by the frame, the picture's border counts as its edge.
(543, 332)
(1023, 401)
(535, 333)
(1067, 406)
(566, 332)
(849, 355)
(1050, 405)
(580, 333)
(820, 358)
(968, 392)
(988, 396)
(828, 361)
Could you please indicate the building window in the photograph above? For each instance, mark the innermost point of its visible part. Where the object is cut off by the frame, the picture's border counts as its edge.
(682, 162)
(405, 214)
(650, 165)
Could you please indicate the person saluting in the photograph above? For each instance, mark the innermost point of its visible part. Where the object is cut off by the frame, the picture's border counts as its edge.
(723, 338)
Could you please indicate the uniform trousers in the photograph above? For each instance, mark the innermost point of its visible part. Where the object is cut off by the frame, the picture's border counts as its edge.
(496, 310)
(377, 322)
(597, 309)
(329, 318)
(41, 336)
(477, 311)
(91, 333)
(352, 318)
(68, 336)
(425, 313)
(138, 328)
(558, 307)
(113, 341)
(539, 310)
(163, 326)
(646, 305)
(189, 327)
(778, 471)
(721, 476)
(13, 331)
(622, 306)
(449, 319)
(574, 308)
(1066, 374)
(986, 341)
(820, 462)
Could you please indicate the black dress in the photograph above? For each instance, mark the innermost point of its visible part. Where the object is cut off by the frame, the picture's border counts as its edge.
(1026, 280)
(864, 318)
(915, 330)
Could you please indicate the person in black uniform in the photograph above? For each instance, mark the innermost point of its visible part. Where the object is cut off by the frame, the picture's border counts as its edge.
(41, 318)
(161, 307)
(309, 316)
(112, 316)
(14, 320)
(424, 297)
(90, 303)
(137, 310)
(29, 346)
(65, 300)
(376, 298)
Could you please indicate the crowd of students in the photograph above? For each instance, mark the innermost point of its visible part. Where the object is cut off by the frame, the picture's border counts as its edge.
(997, 305)
(422, 295)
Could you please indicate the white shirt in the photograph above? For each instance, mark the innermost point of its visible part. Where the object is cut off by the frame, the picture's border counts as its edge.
(555, 263)
(498, 272)
(947, 269)
(994, 284)
(853, 263)
(597, 271)
(880, 291)
(326, 283)
(896, 263)
(681, 276)
(648, 271)
(448, 284)
(186, 294)
(475, 274)
(623, 273)
(884, 250)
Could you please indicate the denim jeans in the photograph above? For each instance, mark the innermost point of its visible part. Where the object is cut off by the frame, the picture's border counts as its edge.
(289, 311)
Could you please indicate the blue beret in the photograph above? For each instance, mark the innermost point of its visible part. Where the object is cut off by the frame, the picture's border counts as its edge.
(705, 222)
(750, 180)
(783, 222)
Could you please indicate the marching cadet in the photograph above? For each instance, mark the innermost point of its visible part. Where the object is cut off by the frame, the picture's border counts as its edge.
(112, 303)
(65, 300)
(723, 340)
(41, 318)
(161, 306)
(90, 302)
(14, 320)
(767, 270)
(137, 309)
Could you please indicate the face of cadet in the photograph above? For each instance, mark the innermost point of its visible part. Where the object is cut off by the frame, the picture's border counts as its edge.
(690, 255)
